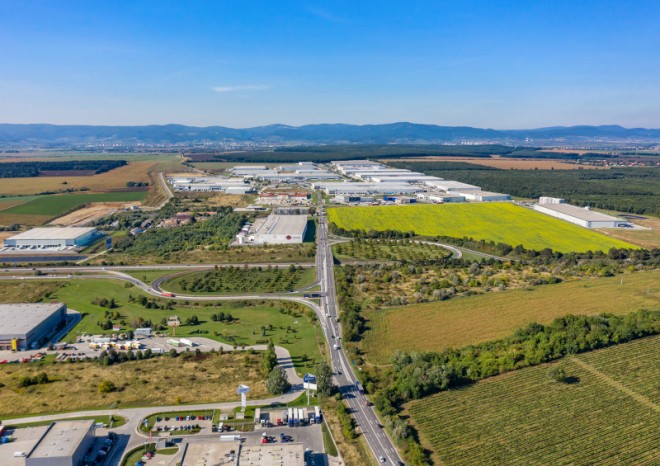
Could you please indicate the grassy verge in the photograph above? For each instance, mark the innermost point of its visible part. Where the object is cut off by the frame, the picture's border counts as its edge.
(118, 421)
(137, 453)
(328, 441)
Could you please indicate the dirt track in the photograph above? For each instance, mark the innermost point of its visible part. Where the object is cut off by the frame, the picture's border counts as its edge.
(94, 211)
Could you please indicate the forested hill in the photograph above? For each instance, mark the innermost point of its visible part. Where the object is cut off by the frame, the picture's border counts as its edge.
(393, 133)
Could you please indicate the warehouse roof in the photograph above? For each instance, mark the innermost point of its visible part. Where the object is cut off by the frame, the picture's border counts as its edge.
(53, 233)
(62, 439)
(580, 212)
(283, 224)
(21, 318)
(485, 193)
(208, 453)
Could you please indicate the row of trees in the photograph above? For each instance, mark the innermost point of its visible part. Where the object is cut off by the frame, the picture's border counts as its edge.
(31, 169)
(631, 190)
(421, 374)
(414, 375)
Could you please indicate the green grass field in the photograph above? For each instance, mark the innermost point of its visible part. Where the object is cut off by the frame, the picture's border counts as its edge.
(237, 280)
(293, 332)
(526, 418)
(58, 204)
(499, 222)
(474, 319)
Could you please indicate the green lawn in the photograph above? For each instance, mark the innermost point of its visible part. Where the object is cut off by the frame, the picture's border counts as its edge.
(498, 221)
(238, 280)
(148, 276)
(293, 332)
(58, 204)
(118, 421)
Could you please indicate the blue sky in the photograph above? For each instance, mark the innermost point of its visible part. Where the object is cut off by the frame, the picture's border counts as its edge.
(497, 64)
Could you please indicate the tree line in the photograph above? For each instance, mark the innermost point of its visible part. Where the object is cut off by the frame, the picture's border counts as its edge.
(414, 375)
(633, 190)
(31, 169)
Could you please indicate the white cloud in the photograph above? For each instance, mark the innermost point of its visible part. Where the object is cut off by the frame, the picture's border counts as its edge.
(242, 87)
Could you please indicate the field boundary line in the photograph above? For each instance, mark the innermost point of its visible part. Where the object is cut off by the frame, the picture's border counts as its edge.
(619, 386)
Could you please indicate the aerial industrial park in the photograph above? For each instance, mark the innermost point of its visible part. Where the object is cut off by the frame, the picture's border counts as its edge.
(274, 206)
(329, 234)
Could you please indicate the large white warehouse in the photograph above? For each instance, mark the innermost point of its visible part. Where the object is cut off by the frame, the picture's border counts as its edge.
(23, 326)
(52, 238)
(276, 229)
(580, 215)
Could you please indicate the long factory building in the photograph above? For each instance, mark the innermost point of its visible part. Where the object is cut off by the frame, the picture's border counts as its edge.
(24, 326)
(53, 238)
(275, 229)
(582, 216)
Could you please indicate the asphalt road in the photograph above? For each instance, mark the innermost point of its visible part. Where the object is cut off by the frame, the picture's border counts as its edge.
(365, 416)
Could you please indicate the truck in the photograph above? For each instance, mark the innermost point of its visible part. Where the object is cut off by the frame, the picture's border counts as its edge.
(301, 416)
(359, 388)
(185, 341)
(230, 438)
(289, 418)
(317, 414)
(296, 418)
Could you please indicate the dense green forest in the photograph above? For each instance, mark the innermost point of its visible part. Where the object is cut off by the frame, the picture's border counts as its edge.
(216, 232)
(633, 190)
(348, 152)
(30, 169)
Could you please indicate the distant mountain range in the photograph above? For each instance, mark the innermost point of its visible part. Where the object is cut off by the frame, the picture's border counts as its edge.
(395, 133)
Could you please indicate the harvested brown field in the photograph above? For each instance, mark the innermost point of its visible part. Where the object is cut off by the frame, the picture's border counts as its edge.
(6, 204)
(7, 234)
(114, 180)
(645, 238)
(93, 212)
(232, 200)
(23, 219)
(160, 381)
(470, 320)
(502, 163)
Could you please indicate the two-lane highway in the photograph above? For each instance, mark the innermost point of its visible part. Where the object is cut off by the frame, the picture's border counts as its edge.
(375, 435)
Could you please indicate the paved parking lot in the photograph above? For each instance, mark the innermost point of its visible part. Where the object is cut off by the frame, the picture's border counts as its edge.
(311, 436)
(168, 425)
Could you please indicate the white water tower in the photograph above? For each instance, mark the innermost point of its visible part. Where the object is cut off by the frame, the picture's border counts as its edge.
(243, 390)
